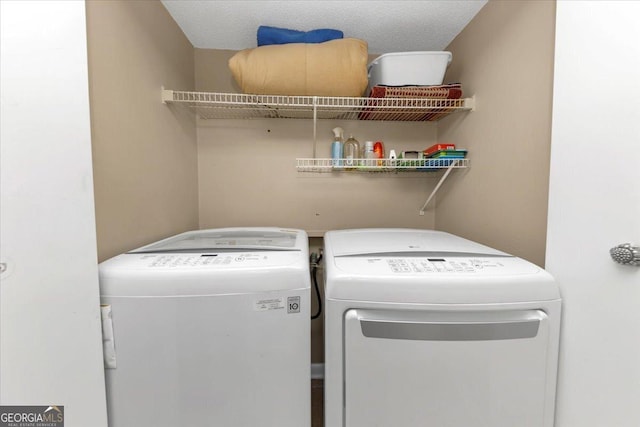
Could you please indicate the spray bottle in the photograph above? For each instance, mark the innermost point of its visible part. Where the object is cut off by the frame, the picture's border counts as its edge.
(336, 146)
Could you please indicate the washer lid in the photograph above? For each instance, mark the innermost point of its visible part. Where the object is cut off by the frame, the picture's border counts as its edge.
(230, 240)
(403, 241)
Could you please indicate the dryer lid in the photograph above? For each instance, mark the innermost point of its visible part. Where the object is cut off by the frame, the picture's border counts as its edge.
(402, 241)
(230, 240)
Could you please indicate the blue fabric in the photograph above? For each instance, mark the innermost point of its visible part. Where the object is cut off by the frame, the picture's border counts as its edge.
(273, 35)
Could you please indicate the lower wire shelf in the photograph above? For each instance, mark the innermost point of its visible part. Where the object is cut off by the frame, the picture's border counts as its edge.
(379, 165)
(385, 166)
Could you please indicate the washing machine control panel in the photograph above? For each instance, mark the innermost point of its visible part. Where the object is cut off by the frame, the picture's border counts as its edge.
(465, 265)
(213, 260)
(441, 265)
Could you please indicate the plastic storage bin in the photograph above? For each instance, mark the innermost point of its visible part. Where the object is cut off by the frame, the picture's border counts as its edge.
(409, 69)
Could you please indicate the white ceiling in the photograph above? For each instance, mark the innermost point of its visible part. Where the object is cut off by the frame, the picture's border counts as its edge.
(387, 26)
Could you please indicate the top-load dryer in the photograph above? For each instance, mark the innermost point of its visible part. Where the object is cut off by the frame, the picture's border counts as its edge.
(427, 328)
(209, 328)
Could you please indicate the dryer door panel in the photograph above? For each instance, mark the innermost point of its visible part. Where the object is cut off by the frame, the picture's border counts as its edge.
(445, 369)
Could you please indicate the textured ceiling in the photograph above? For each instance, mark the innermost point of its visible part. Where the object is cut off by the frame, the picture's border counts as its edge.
(387, 26)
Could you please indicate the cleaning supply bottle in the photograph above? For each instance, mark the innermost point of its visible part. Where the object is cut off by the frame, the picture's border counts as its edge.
(392, 157)
(378, 149)
(368, 154)
(351, 151)
(336, 146)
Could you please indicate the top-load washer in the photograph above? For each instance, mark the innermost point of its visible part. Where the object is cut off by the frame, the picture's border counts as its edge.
(424, 328)
(209, 328)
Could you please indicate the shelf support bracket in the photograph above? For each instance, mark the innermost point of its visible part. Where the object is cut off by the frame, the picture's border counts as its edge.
(470, 103)
(435, 190)
(315, 123)
(167, 95)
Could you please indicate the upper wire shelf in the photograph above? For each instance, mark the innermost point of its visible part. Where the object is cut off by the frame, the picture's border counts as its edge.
(214, 105)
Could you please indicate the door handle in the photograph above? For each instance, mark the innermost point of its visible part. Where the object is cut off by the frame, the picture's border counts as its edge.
(519, 326)
(625, 253)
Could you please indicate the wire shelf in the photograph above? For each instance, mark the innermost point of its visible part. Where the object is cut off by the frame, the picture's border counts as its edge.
(378, 165)
(213, 105)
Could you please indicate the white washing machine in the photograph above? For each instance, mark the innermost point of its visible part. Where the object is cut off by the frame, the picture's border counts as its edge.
(209, 328)
(424, 328)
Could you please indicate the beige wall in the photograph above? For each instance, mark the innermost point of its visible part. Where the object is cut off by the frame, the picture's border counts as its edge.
(247, 174)
(505, 58)
(144, 152)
